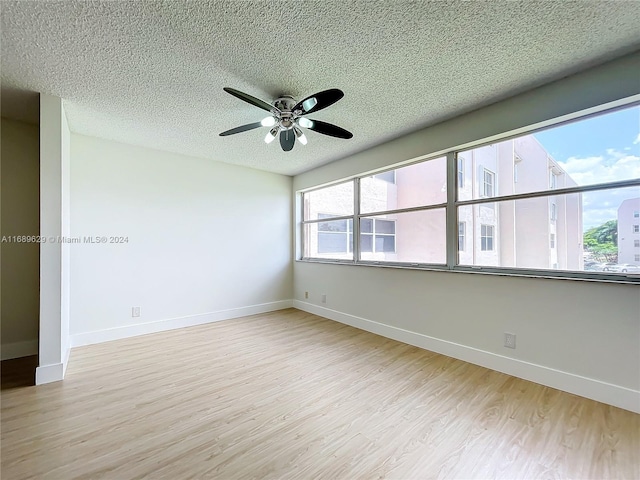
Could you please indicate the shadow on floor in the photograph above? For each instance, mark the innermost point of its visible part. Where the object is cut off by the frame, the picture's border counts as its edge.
(18, 372)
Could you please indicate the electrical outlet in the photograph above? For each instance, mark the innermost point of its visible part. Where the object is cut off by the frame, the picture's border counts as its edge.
(306, 294)
(135, 311)
(324, 298)
(509, 340)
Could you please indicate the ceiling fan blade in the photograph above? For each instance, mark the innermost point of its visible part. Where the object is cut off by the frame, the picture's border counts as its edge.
(249, 99)
(327, 129)
(242, 128)
(287, 139)
(319, 101)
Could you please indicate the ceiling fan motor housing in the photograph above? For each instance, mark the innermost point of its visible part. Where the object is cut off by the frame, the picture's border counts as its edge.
(285, 119)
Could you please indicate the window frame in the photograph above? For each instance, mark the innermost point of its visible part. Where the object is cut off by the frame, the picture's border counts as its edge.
(374, 234)
(452, 205)
(492, 175)
(487, 239)
(462, 236)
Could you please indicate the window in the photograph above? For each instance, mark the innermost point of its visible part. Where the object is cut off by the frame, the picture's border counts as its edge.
(461, 172)
(329, 235)
(562, 218)
(417, 185)
(377, 235)
(462, 229)
(489, 182)
(486, 237)
(335, 236)
(636, 258)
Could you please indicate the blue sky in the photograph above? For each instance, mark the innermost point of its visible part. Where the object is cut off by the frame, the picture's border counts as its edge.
(601, 149)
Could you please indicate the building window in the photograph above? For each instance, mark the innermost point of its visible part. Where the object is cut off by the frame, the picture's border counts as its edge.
(553, 180)
(636, 229)
(637, 258)
(462, 232)
(636, 213)
(552, 240)
(377, 235)
(552, 212)
(486, 237)
(489, 183)
(461, 172)
(636, 243)
(335, 236)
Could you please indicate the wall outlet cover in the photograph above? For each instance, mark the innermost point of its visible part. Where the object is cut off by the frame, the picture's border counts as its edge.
(509, 340)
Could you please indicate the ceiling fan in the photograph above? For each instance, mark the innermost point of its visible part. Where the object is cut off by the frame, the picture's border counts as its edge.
(287, 117)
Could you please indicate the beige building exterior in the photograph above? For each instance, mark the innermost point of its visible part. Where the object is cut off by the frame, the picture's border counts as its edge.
(629, 231)
(543, 232)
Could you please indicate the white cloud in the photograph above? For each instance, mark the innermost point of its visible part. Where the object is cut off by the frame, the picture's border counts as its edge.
(613, 166)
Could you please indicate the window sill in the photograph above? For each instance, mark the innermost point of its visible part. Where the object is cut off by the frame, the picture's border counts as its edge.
(628, 279)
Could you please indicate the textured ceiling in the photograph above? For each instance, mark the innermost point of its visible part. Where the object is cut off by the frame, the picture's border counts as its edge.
(151, 73)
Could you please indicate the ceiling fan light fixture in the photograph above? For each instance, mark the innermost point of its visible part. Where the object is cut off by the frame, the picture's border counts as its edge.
(300, 136)
(268, 122)
(305, 122)
(309, 103)
(271, 136)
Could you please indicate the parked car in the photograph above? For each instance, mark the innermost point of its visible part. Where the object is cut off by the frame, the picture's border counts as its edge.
(625, 268)
(609, 267)
(594, 267)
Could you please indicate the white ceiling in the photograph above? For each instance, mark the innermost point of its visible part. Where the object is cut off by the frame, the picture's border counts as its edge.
(151, 73)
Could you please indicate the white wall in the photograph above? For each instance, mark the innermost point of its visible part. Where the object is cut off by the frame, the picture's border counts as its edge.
(54, 225)
(583, 337)
(20, 216)
(206, 240)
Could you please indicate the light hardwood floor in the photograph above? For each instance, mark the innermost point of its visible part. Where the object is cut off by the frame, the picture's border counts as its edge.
(293, 395)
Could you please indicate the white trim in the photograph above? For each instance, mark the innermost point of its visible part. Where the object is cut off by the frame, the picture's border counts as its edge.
(615, 395)
(49, 373)
(19, 349)
(126, 331)
(65, 361)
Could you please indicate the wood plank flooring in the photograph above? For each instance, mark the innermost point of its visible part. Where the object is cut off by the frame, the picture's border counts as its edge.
(292, 395)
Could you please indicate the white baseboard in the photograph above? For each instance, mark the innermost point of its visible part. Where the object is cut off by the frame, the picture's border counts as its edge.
(49, 373)
(585, 387)
(127, 331)
(18, 349)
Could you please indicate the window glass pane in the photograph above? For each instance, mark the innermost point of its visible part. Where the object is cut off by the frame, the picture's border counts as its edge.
(330, 240)
(385, 226)
(411, 237)
(334, 201)
(415, 186)
(592, 231)
(600, 149)
(366, 243)
(366, 225)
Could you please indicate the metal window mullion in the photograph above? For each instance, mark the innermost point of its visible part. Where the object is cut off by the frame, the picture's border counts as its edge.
(403, 210)
(451, 213)
(356, 220)
(553, 193)
(330, 219)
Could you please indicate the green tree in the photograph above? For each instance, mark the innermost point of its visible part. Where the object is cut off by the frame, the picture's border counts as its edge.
(602, 241)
